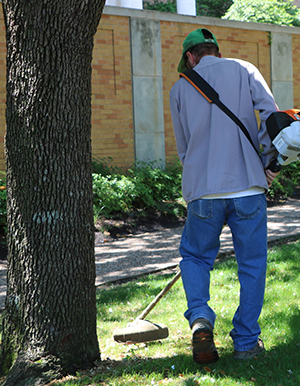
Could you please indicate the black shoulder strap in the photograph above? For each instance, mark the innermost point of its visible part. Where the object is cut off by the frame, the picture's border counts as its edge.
(213, 97)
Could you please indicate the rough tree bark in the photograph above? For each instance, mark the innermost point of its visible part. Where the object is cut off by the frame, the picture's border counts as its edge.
(49, 324)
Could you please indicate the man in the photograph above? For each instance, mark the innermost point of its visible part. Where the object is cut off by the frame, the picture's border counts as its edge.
(223, 181)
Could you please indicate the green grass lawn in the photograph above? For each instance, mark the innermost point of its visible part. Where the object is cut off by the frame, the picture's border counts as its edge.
(169, 361)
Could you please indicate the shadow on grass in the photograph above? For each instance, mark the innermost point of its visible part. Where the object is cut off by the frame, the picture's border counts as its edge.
(279, 365)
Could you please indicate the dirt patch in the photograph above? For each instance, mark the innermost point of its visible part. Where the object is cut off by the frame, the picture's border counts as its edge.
(107, 230)
(113, 229)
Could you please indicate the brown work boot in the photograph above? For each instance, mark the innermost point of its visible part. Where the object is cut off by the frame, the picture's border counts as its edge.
(204, 350)
(254, 352)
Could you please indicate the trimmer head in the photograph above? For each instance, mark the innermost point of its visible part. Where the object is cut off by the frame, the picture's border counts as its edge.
(141, 331)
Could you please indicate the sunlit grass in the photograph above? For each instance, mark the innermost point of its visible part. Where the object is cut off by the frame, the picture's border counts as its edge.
(169, 361)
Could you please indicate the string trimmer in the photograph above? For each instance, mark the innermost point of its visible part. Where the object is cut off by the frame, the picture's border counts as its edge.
(141, 330)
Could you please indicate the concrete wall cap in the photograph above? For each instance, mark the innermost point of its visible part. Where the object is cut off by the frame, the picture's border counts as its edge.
(201, 20)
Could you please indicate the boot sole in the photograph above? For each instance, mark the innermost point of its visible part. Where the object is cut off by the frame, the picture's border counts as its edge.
(204, 350)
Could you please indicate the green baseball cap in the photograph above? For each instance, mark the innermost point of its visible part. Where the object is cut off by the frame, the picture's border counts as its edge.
(193, 39)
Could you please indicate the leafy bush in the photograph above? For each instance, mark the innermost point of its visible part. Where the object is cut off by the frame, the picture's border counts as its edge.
(169, 6)
(212, 8)
(148, 188)
(286, 182)
(142, 189)
(104, 166)
(272, 11)
(112, 194)
(145, 189)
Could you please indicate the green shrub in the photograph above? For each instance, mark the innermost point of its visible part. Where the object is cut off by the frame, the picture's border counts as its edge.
(272, 11)
(112, 194)
(212, 8)
(148, 188)
(156, 5)
(286, 182)
(142, 189)
(158, 183)
(104, 166)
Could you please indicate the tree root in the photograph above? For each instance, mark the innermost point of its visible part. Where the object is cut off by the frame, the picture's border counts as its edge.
(39, 372)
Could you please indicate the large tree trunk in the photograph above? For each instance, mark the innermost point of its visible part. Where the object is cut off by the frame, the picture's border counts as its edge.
(50, 311)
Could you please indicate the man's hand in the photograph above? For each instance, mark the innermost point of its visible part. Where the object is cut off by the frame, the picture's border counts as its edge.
(270, 176)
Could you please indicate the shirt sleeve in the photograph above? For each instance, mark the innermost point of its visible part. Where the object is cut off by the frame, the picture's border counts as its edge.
(181, 141)
(264, 103)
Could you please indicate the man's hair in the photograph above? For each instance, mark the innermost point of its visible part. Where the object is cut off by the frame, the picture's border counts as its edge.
(204, 49)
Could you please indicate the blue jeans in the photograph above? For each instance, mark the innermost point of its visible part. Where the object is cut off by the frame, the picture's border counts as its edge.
(247, 219)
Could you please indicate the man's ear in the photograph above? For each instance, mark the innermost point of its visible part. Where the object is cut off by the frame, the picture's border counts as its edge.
(189, 55)
(220, 55)
(190, 60)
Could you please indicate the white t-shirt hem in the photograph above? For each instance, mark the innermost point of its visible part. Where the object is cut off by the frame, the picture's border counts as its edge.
(243, 193)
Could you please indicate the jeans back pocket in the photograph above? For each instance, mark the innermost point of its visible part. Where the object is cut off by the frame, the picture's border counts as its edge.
(248, 207)
(201, 208)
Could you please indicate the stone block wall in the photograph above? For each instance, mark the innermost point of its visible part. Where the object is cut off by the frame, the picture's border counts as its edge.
(136, 53)
(112, 127)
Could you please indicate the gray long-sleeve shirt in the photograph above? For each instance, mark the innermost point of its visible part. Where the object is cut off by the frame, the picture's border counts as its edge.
(215, 154)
